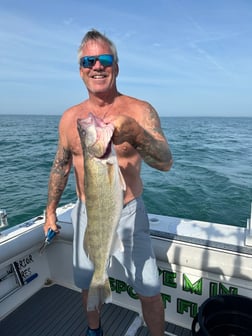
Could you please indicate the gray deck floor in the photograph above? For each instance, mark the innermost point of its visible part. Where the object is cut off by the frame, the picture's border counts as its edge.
(57, 311)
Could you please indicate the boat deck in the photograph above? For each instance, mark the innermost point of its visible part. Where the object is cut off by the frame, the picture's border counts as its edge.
(57, 311)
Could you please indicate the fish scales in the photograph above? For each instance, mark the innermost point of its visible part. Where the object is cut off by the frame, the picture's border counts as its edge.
(104, 186)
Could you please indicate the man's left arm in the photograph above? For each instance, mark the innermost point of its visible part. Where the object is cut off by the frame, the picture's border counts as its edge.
(146, 136)
(151, 143)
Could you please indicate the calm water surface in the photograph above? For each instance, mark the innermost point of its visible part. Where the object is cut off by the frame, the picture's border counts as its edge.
(210, 179)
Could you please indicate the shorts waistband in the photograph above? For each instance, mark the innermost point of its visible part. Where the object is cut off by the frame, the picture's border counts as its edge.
(128, 204)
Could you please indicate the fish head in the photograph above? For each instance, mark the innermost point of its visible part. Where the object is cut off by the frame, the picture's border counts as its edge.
(95, 136)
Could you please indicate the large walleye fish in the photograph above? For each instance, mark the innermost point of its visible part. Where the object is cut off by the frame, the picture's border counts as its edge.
(104, 186)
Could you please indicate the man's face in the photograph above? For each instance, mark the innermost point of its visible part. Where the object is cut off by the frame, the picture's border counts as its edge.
(99, 79)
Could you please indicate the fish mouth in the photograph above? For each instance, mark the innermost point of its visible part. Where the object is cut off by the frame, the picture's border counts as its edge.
(96, 136)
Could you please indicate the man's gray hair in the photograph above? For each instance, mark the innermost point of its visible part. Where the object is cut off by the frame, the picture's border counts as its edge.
(95, 35)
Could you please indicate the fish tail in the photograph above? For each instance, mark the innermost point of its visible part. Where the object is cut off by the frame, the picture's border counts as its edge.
(97, 295)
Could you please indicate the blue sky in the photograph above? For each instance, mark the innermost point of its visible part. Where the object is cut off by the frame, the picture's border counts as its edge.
(186, 57)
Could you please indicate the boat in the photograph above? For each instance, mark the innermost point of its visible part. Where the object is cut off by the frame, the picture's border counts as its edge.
(196, 260)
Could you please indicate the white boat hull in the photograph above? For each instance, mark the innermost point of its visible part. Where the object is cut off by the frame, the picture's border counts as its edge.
(196, 260)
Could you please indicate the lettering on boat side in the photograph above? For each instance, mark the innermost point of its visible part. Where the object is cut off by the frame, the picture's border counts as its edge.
(120, 286)
(180, 291)
(23, 266)
(16, 275)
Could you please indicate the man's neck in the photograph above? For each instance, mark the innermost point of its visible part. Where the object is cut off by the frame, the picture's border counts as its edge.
(103, 99)
(101, 105)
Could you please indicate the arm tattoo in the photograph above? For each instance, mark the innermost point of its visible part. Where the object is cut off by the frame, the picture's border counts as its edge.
(153, 146)
(59, 175)
(152, 150)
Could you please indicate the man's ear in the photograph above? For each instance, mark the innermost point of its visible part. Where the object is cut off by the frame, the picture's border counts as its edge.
(80, 71)
(116, 69)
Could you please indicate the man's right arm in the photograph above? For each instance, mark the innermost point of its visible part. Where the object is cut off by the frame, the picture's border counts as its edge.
(57, 182)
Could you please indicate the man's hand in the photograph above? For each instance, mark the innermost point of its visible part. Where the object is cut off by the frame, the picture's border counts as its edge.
(126, 129)
(50, 223)
(147, 138)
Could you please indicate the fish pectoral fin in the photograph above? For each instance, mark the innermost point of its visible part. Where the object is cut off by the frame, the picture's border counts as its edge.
(86, 244)
(121, 178)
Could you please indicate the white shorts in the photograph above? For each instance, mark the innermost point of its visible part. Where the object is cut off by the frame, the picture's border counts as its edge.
(137, 258)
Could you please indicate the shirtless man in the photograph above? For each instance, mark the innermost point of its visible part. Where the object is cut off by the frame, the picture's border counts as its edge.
(138, 136)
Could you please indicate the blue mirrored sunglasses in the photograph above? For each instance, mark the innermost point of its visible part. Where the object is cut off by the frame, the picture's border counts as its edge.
(89, 61)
